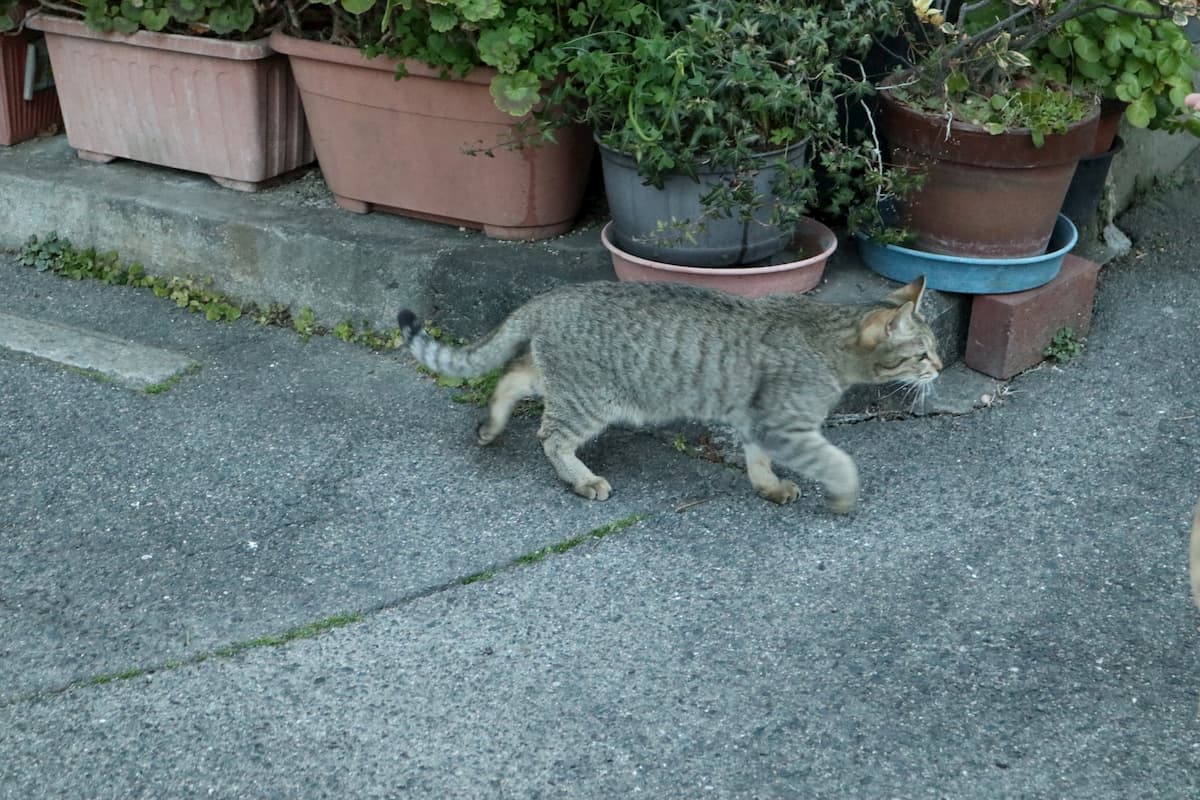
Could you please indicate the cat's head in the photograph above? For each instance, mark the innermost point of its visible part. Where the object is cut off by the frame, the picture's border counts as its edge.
(900, 345)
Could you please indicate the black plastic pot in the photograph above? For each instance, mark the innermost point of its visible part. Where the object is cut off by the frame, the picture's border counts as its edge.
(1083, 195)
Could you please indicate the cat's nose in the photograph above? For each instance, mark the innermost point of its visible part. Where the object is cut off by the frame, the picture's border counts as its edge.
(935, 362)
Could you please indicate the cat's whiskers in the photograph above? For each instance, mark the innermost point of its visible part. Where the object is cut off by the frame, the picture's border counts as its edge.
(901, 385)
(915, 394)
(925, 391)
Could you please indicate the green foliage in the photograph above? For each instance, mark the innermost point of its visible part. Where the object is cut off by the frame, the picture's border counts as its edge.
(719, 84)
(278, 314)
(1042, 109)
(1007, 65)
(1146, 62)
(225, 19)
(368, 336)
(454, 36)
(305, 324)
(1064, 346)
(54, 254)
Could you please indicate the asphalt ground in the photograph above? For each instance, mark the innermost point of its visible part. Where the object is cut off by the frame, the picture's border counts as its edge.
(291, 574)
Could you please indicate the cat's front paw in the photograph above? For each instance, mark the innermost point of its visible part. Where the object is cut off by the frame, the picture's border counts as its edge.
(593, 489)
(782, 493)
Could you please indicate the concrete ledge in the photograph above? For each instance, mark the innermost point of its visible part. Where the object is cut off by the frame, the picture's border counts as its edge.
(134, 365)
(291, 244)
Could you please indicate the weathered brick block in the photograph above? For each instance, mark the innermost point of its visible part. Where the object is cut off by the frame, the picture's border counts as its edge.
(1008, 332)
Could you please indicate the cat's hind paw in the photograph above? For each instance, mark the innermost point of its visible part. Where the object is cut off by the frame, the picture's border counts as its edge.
(484, 435)
(843, 503)
(593, 489)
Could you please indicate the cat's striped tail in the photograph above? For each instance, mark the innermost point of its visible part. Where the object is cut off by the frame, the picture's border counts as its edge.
(489, 353)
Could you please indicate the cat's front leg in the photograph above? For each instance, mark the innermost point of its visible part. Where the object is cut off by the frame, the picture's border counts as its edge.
(810, 454)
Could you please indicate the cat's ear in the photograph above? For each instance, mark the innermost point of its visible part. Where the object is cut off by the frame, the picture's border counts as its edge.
(885, 323)
(911, 293)
(902, 317)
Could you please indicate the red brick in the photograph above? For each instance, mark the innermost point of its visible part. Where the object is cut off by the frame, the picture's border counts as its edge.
(1009, 331)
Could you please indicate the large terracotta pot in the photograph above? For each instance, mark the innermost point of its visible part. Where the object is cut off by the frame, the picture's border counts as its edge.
(227, 109)
(1111, 113)
(985, 195)
(403, 146)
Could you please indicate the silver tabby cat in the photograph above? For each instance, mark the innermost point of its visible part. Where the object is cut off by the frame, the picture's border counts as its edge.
(600, 354)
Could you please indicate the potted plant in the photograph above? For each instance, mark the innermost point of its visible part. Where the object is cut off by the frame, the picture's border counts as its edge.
(996, 135)
(995, 142)
(449, 111)
(708, 115)
(192, 86)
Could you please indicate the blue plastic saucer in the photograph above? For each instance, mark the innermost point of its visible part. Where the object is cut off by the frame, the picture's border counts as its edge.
(971, 275)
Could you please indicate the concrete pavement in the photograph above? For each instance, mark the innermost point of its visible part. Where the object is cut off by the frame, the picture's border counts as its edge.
(292, 575)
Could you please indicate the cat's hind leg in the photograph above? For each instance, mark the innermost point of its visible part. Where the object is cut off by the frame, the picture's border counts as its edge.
(764, 479)
(560, 440)
(810, 454)
(522, 380)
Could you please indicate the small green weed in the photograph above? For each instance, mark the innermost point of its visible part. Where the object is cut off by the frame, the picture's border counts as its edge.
(368, 336)
(703, 450)
(302, 632)
(54, 254)
(308, 631)
(278, 314)
(1064, 346)
(305, 324)
(124, 675)
(558, 548)
(94, 374)
(171, 382)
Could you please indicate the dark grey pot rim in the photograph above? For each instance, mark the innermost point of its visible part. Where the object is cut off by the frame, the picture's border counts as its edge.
(704, 167)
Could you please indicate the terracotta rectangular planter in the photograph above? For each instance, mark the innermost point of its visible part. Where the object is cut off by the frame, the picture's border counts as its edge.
(22, 119)
(401, 146)
(230, 110)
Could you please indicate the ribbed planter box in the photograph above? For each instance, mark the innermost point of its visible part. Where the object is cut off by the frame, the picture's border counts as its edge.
(229, 110)
(22, 119)
(403, 146)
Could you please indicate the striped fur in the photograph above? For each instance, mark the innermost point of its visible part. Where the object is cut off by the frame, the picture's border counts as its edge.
(642, 354)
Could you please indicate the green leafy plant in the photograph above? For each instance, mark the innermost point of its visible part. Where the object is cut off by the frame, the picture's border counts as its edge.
(54, 254)
(226, 19)
(1064, 346)
(455, 36)
(1133, 51)
(1036, 64)
(727, 84)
